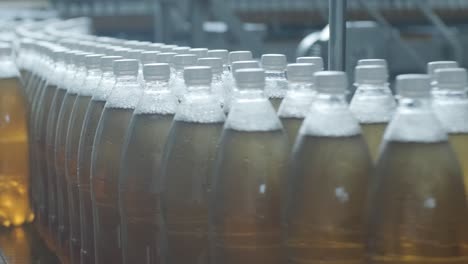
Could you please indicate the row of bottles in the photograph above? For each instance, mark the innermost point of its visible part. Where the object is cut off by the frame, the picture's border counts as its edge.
(150, 153)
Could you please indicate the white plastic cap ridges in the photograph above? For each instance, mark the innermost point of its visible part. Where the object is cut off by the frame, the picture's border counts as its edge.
(148, 57)
(181, 50)
(197, 75)
(156, 72)
(413, 85)
(274, 62)
(370, 74)
(167, 48)
(93, 61)
(373, 62)
(241, 55)
(166, 57)
(331, 82)
(219, 53)
(126, 67)
(107, 62)
(435, 65)
(184, 60)
(134, 54)
(250, 78)
(301, 72)
(455, 78)
(199, 52)
(314, 60)
(216, 64)
(237, 65)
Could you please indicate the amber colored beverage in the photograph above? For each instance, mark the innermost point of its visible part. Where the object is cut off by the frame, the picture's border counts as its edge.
(14, 158)
(373, 134)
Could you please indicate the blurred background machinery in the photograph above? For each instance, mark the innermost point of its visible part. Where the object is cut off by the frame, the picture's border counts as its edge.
(408, 33)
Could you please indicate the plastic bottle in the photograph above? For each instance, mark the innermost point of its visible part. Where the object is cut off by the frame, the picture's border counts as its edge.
(276, 83)
(181, 62)
(245, 202)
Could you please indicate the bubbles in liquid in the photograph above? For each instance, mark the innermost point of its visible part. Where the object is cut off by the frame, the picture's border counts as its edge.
(327, 172)
(418, 203)
(14, 168)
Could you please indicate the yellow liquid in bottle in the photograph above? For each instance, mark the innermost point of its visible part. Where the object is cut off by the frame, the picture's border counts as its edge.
(373, 135)
(459, 144)
(14, 157)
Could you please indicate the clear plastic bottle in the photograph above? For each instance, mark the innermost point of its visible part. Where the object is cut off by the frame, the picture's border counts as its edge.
(139, 182)
(148, 57)
(245, 201)
(181, 62)
(231, 86)
(105, 157)
(373, 104)
(186, 169)
(451, 108)
(76, 118)
(218, 87)
(276, 84)
(223, 55)
(15, 207)
(328, 181)
(61, 164)
(417, 201)
(435, 65)
(234, 56)
(199, 52)
(298, 100)
(317, 61)
(85, 146)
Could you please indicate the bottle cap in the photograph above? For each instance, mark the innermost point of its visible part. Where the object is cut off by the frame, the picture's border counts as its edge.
(370, 74)
(59, 55)
(153, 47)
(5, 49)
(156, 72)
(435, 65)
(165, 57)
(148, 57)
(331, 82)
(80, 59)
(184, 60)
(216, 64)
(167, 48)
(413, 85)
(219, 53)
(373, 62)
(199, 52)
(107, 62)
(301, 72)
(134, 54)
(197, 75)
(181, 50)
(274, 62)
(122, 52)
(455, 78)
(250, 78)
(126, 67)
(314, 60)
(93, 61)
(237, 65)
(239, 56)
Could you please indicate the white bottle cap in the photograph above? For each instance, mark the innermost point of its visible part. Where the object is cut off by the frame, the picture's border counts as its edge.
(242, 55)
(435, 65)
(331, 82)
(166, 57)
(370, 74)
(216, 64)
(199, 52)
(219, 53)
(413, 85)
(148, 57)
(377, 62)
(301, 72)
(156, 72)
(80, 59)
(107, 62)
(93, 61)
(250, 78)
(454, 79)
(184, 60)
(181, 50)
(314, 60)
(126, 67)
(122, 52)
(134, 54)
(197, 75)
(167, 48)
(154, 47)
(237, 65)
(274, 62)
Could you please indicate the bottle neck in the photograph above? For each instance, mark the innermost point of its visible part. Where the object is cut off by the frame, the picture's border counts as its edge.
(198, 89)
(156, 85)
(372, 87)
(414, 104)
(269, 74)
(452, 91)
(127, 78)
(338, 99)
(250, 94)
(94, 72)
(298, 86)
